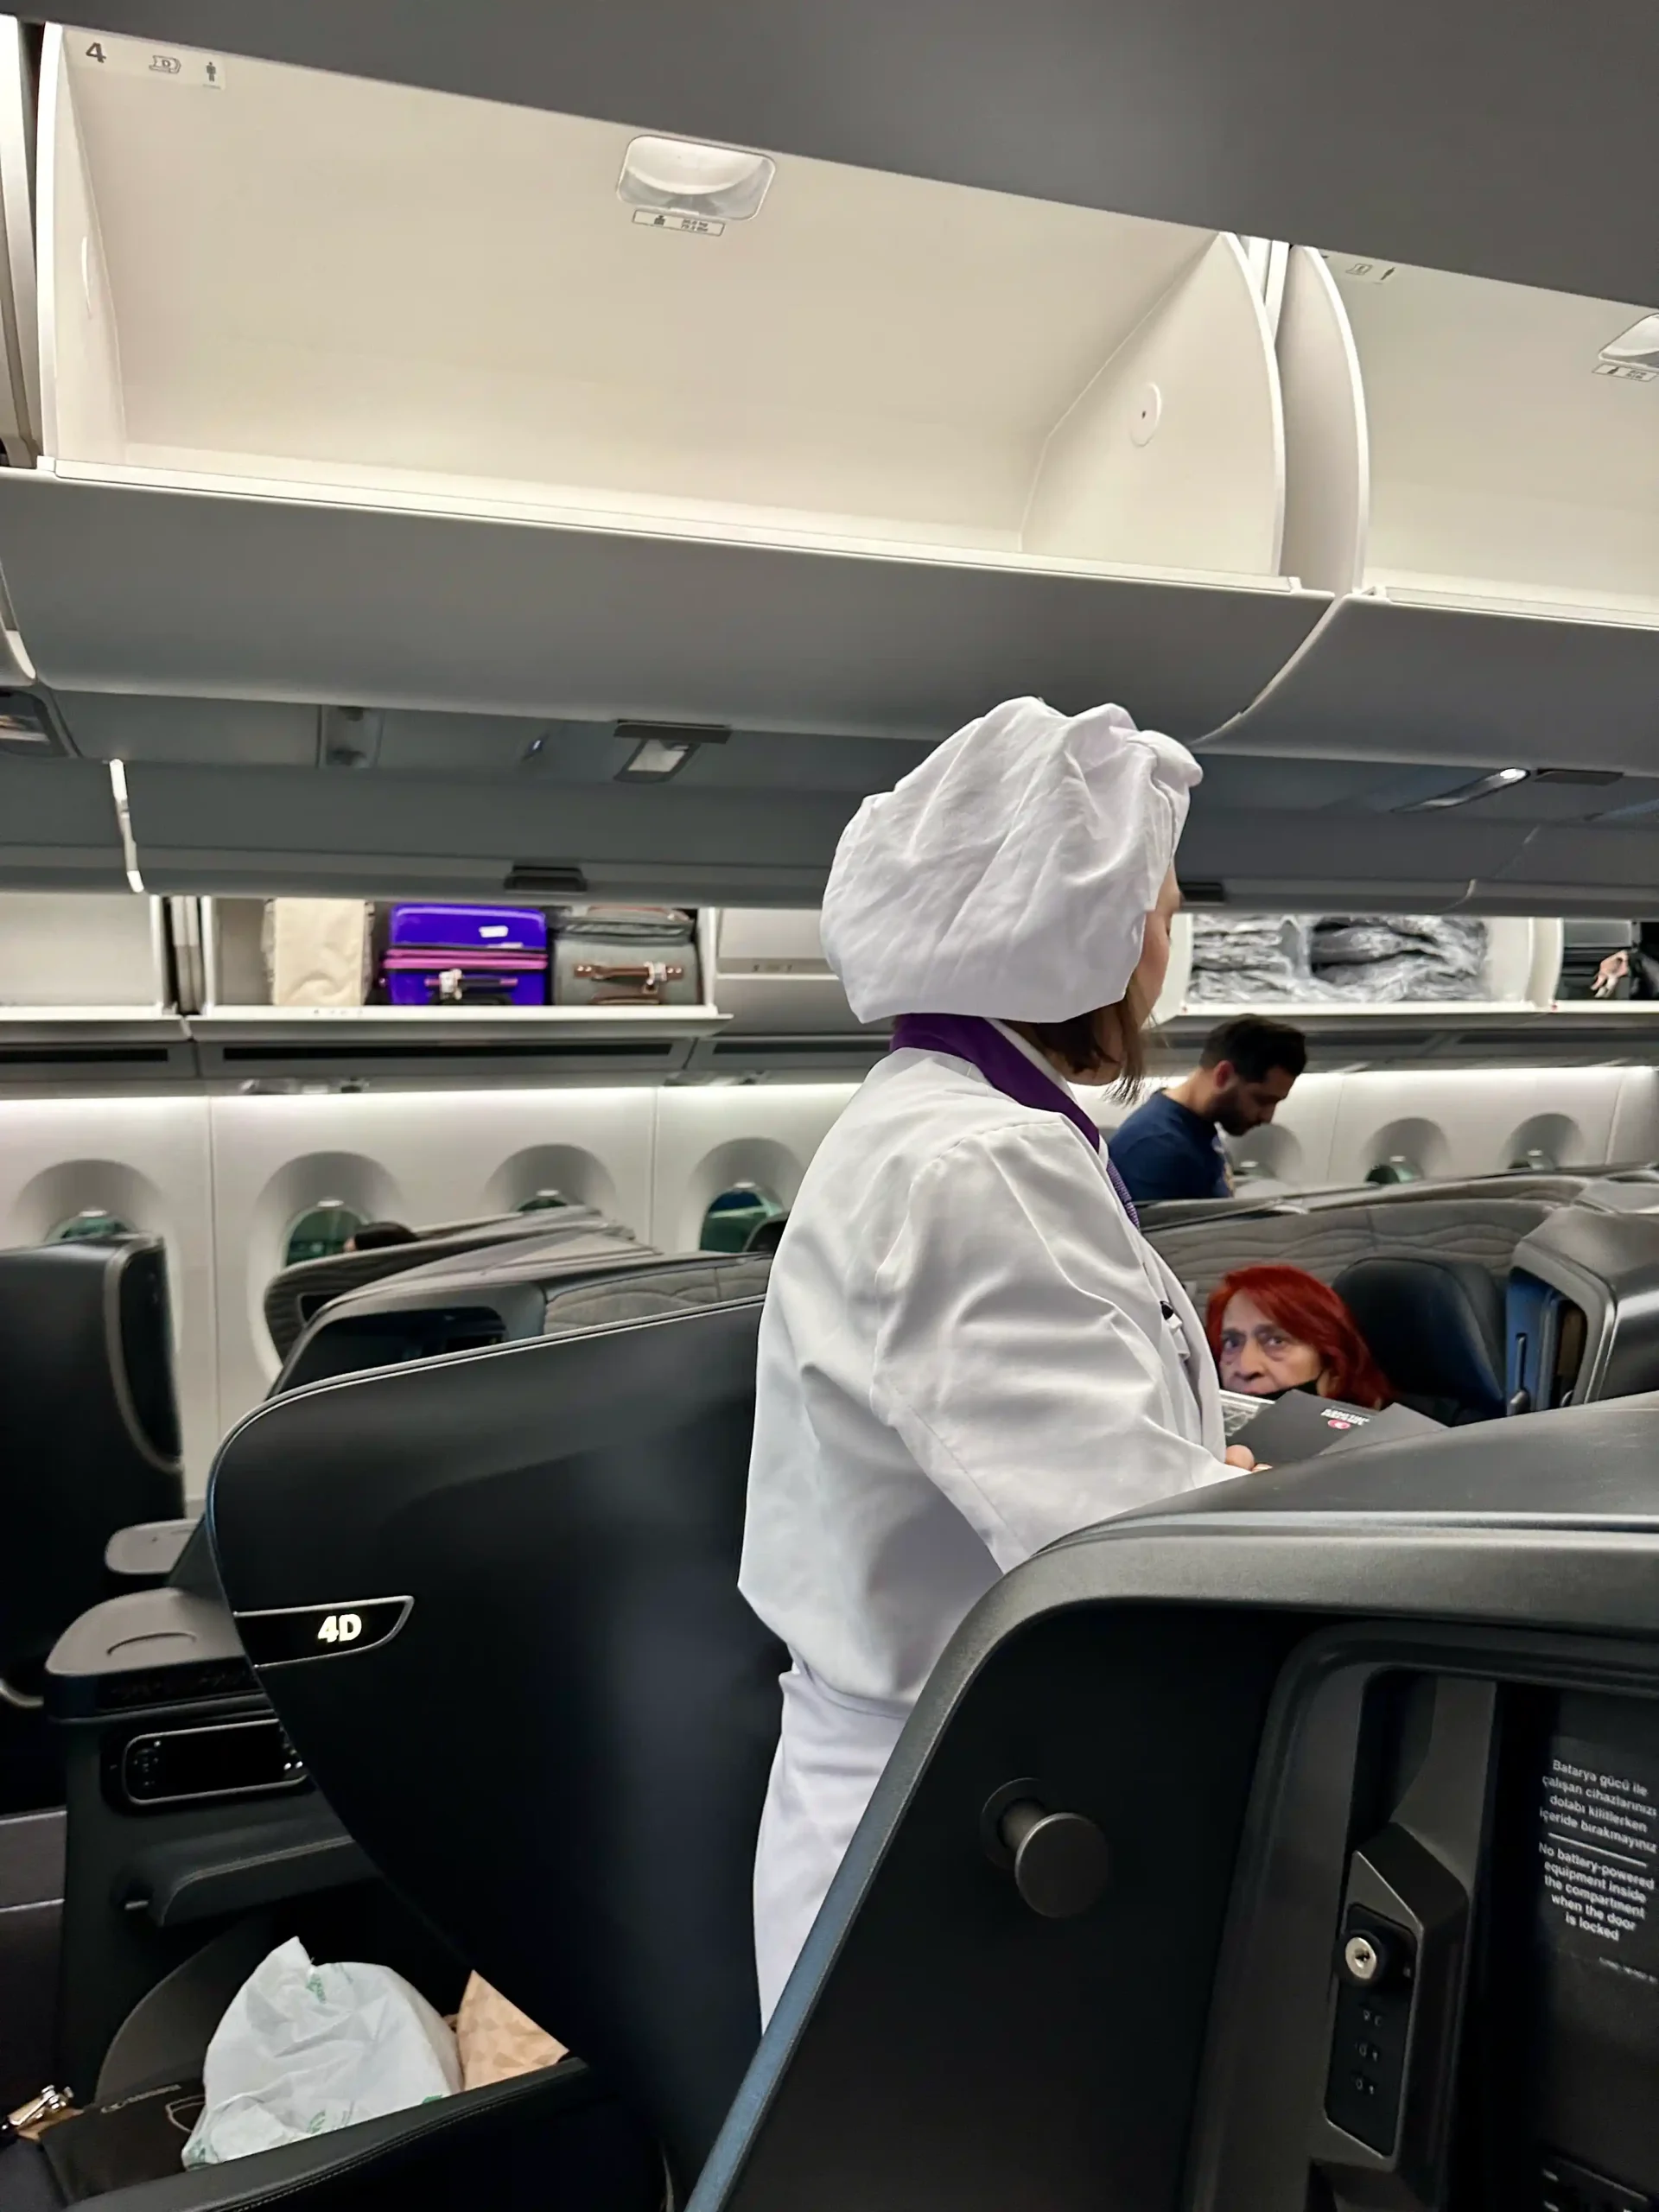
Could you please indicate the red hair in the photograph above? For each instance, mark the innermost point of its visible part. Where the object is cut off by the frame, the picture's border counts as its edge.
(1310, 1311)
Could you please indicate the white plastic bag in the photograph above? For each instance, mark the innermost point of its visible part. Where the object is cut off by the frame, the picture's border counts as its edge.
(303, 2050)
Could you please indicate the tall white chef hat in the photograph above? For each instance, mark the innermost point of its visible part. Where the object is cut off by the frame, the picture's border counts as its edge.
(1011, 873)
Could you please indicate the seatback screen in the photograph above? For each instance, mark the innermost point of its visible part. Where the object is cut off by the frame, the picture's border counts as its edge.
(1595, 1944)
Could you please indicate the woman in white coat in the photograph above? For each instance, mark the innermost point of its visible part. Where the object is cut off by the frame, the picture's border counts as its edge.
(967, 1349)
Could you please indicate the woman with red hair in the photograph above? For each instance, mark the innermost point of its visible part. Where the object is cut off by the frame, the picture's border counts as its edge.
(1274, 1329)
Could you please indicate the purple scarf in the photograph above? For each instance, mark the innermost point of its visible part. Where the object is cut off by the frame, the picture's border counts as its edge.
(1005, 1067)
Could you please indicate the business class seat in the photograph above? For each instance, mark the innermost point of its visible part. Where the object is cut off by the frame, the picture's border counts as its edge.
(551, 1721)
(655, 1293)
(297, 1294)
(506, 1294)
(1327, 1239)
(89, 1432)
(1228, 1735)
(558, 1755)
(1435, 1326)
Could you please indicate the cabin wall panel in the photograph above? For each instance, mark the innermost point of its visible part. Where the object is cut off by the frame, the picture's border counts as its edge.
(419, 1158)
(709, 1140)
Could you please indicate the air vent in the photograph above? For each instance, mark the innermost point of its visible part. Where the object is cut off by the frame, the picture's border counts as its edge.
(1203, 892)
(1591, 778)
(540, 876)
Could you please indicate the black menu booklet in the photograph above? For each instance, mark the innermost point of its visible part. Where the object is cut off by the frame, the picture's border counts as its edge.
(1298, 1425)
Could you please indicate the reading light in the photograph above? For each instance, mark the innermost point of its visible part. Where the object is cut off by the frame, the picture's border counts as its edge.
(675, 176)
(1638, 348)
(662, 750)
(1483, 787)
(654, 758)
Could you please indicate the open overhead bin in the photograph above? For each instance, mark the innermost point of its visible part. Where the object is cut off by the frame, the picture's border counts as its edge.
(1484, 459)
(361, 393)
(1516, 142)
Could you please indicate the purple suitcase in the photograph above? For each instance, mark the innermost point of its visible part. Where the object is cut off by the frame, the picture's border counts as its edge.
(465, 955)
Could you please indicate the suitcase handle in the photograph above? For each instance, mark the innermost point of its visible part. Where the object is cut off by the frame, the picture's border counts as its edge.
(648, 976)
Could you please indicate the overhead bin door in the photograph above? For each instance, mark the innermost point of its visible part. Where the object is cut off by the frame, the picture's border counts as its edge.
(58, 828)
(1516, 143)
(274, 831)
(148, 590)
(362, 393)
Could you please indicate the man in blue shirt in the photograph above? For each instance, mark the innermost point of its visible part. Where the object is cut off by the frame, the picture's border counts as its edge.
(1171, 1146)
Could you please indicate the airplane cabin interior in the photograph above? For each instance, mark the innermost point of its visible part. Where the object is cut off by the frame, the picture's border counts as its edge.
(488, 495)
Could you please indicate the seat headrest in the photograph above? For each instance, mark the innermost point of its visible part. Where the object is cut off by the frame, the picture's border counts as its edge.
(1435, 1327)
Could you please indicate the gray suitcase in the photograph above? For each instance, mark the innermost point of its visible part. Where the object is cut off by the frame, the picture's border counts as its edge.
(625, 955)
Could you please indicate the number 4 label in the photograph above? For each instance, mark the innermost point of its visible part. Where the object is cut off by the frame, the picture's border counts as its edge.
(340, 1628)
(124, 57)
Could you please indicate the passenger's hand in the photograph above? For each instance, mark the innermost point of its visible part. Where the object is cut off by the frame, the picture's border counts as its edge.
(1241, 1456)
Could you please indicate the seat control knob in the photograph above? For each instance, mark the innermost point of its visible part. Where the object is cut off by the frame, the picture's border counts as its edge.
(1060, 1859)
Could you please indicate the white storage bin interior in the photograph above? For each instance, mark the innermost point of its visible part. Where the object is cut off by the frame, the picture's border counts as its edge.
(82, 951)
(256, 272)
(1507, 468)
(768, 971)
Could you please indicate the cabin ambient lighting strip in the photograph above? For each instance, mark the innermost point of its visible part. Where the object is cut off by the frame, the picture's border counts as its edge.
(124, 822)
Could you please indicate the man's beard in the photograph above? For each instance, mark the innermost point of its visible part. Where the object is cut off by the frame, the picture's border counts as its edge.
(1231, 1120)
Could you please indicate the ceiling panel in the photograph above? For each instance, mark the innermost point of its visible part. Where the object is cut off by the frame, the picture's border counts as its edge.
(1413, 132)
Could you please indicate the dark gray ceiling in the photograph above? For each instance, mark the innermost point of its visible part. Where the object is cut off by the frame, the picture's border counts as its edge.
(1510, 138)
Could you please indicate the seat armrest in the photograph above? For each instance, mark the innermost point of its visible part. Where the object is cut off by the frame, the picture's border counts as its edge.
(148, 1551)
(239, 1870)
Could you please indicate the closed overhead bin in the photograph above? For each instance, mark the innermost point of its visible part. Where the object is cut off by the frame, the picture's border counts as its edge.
(1484, 461)
(269, 832)
(58, 830)
(361, 393)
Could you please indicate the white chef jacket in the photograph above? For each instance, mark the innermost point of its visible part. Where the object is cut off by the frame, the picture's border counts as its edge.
(967, 1350)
